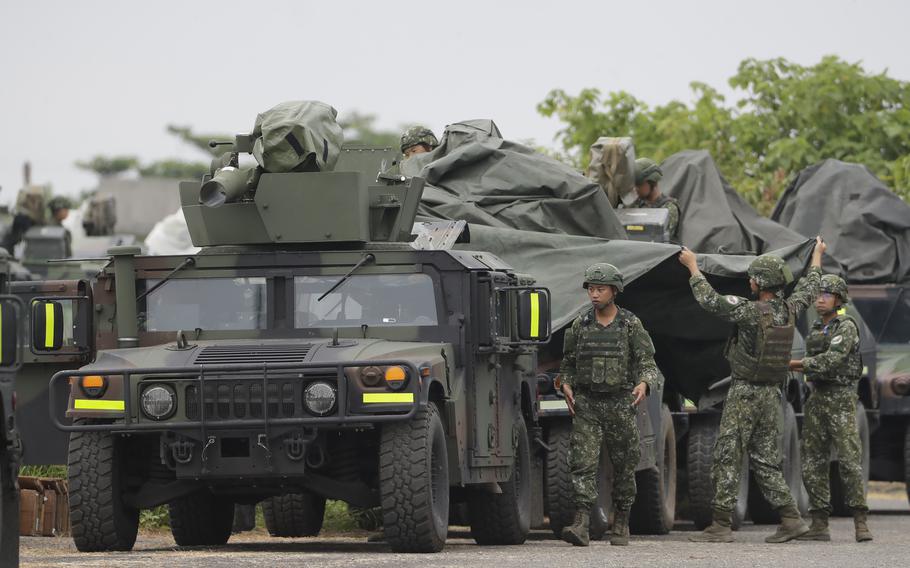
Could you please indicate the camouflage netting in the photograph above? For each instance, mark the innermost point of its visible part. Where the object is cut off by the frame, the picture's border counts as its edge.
(545, 219)
(866, 226)
(713, 216)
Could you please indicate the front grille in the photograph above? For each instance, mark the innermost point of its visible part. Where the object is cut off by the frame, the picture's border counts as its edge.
(239, 354)
(242, 398)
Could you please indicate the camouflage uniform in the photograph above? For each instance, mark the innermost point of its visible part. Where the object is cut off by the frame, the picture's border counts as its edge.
(833, 366)
(648, 170)
(603, 365)
(744, 426)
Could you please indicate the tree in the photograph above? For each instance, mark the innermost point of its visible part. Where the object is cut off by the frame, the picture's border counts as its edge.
(788, 117)
(360, 129)
(200, 141)
(109, 165)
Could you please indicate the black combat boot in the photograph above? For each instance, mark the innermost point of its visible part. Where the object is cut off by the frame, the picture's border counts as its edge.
(577, 532)
(818, 530)
(791, 526)
(719, 531)
(619, 536)
(862, 529)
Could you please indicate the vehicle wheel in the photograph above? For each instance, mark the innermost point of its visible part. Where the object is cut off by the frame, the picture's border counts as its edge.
(654, 509)
(99, 520)
(414, 483)
(760, 510)
(9, 510)
(244, 518)
(907, 460)
(294, 514)
(201, 519)
(838, 502)
(560, 507)
(505, 518)
(702, 435)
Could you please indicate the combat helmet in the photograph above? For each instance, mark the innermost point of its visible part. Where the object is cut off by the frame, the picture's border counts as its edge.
(834, 284)
(418, 135)
(603, 274)
(58, 203)
(647, 169)
(770, 271)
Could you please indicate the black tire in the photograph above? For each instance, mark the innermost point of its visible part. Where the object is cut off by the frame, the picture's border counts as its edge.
(99, 520)
(559, 505)
(654, 510)
(414, 483)
(839, 506)
(9, 510)
(244, 518)
(294, 515)
(201, 519)
(505, 518)
(699, 458)
(760, 510)
(560, 508)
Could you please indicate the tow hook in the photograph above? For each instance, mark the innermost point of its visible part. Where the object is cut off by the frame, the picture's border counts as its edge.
(295, 447)
(182, 451)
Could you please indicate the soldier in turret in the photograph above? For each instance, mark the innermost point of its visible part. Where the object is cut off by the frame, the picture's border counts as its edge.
(647, 176)
(759, 354)
(607, 369)
(832, 366)
(417, 140)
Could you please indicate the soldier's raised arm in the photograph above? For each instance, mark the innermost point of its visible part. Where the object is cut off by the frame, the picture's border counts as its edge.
(731, 308)
(807, 288)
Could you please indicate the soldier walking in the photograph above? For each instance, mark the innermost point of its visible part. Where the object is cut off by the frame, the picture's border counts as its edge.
(833, 368)
(607, 369)
(759, 354)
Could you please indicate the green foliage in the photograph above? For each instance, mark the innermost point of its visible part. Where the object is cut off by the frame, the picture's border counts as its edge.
(54, 471)
(789, 117)
(338, 518)
(178, 169)
(360, 129)
(109, 165)
(157, 518)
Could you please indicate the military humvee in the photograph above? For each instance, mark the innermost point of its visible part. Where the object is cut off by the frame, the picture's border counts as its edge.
(308, 352)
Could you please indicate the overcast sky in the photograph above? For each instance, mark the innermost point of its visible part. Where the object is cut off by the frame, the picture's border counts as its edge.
(81, 78)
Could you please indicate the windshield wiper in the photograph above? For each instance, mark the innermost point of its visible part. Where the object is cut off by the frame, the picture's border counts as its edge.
(188, 261)
(366, 258)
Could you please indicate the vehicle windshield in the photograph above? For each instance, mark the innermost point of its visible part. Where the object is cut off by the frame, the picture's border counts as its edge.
(205, 303)
(376, 300)
(887, 313)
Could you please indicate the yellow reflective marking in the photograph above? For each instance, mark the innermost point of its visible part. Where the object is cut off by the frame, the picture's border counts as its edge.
(49, 325)
(634, 228)
(841, 311)
(388, 397)
(1, 334)
(535, 314)
(86, 404)
(553, 405)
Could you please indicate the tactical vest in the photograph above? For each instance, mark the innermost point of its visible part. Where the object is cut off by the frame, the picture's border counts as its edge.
(773, 346)
(663, 200)
(819, 342)
(602, 354)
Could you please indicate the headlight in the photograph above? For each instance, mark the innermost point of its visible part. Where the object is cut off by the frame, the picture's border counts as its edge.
(319, 398)
(158, 402)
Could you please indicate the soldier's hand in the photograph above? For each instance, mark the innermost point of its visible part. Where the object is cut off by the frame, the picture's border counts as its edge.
(639, 392)
(796, 364)
(570, 398)
(820, 248)
(688, 259)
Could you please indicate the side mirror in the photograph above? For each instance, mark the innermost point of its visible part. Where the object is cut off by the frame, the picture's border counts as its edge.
(47, 325)
(9, 334)
(534, 315)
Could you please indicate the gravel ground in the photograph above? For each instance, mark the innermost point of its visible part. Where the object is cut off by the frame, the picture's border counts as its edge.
(890, 523)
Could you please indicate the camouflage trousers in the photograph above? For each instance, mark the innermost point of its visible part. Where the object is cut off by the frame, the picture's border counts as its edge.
(751, 424)
(604, 421)
(830, 422)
